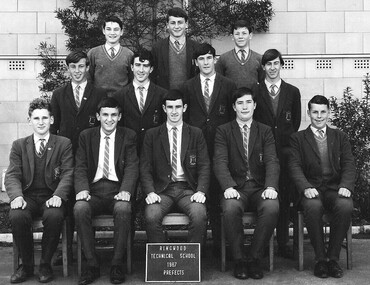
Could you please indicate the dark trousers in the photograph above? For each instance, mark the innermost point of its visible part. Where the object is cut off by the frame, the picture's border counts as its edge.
(52, 220)
(286, 189)
(102, 202)
(267, 215)
(214, 206)
(177, 194)
(313, 210)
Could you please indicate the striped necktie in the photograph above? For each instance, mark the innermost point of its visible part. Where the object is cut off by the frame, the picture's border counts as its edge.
(242, 55)
(174, 154)
(245, 140)
(77, 96)
(106, 159)
(41, 148)
(320, 134)
(177, 45)
(273, 93)
(207, 98)
(141, 93)
(112, 53)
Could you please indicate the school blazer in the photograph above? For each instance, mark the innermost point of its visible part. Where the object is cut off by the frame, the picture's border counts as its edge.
(155, 162)
(229, 162)
(125, 159)
(58, 169)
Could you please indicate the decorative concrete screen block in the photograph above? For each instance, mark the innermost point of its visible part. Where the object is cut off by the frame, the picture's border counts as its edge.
(344, 43)
(293, 68)
(262, 42)
(61, 44)
(304, 5)
(336, 86)
(4, 155)
(8, 133)
(357, 22)
(13, 112)
(27, 44)
(366, 43)
(9, 6)
(8, 90)
(28, 89)
(325, 22)
(322, 68)
(367, 5)
(37, 5)
(280, 5)
(8, 44)
(306, 43)
(18, 23)
(24, 129)
(17, 69)
(307, 87)
(48, 23)
(355, 67)
(347, 5)
(288, 22)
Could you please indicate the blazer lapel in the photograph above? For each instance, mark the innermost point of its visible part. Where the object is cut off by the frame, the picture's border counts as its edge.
(85, 96)
(266, 98)
(282, 98)
(238, 137)
(71, 97)
(163, 134)
(309, 136)
(149, 97)
(216, 90)
(132, 97)
(184, 141)
(118, 142)
(95, 145)
(165, 53)
(199, 93)
(330, 142)
(252, 138)
(50, 148)
(30, 147)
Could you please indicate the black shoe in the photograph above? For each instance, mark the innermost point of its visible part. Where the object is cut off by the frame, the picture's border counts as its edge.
(240, 270)
(285, 252)
(321, 269)
(334, 269)
(89, 275)
(45, 273)
(22, 274)
(254, 269)
(117, 275)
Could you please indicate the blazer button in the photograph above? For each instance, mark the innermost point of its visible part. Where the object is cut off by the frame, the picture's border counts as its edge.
(143, 129)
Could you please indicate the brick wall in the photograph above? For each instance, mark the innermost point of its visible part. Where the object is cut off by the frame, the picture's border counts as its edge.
(326, 44)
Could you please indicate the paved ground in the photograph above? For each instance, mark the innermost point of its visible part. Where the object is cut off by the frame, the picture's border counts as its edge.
(285, 271)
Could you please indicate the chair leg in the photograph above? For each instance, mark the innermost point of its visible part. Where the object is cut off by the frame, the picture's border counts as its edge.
(65, 249)
(349, 247)
(271, 253)
(79, 255)
(300, 240)
(223, 246)
(129, 254)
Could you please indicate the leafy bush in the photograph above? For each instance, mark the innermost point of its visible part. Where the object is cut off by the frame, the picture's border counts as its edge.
(351, 115)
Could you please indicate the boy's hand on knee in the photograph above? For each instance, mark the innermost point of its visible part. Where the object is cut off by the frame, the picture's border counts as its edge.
(123, 195)
(152, 198)
(83, 195)
(269, 193)
(344, 192)
(311, 193)
(17, 203)
(198, 197)
(54, 202)
(231, 193)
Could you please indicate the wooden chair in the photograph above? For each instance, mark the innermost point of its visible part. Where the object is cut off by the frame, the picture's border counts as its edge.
(98, 222)
(37, 225)
(248, 218)
(175, 219)
(326, 219)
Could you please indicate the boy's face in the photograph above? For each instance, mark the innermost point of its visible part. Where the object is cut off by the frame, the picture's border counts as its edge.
(206, 64)
(174, 110)
(40, 120)
(141, 70)
(108, 118)
(241, 37)
(319, 115)
(244, 108)
(112, 33)
(177, 27)
(272, 69)
(78, 71)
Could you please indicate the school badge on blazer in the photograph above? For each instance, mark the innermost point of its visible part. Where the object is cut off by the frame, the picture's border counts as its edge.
(222, 110)
(192, 159)
(57, 172)
(288, 116)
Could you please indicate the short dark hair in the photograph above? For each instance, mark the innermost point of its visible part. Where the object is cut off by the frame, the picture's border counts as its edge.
(108, 102)
(143, 55)
(240, 92)
(173, 95)
(320, 100)
(241, 24)
(204, 49)
(271, 54)
(76, 56)
(113, 19)
(39, 103)
(176, 12)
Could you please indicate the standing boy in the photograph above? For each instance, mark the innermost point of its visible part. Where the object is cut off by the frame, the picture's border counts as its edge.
(110, 63)
(241, 64)
(107, 168)
(279, 106)
(38, 181)
(173, 63)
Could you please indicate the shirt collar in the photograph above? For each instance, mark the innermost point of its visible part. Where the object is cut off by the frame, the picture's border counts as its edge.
(238, 49)
(108, 47)
(112, 136)
(314, 130)
(181, 40)
(211, 78)
(136, 85)
(36, 138)
(241, 123)
(82, 85)
(169, 127)
(277, 84)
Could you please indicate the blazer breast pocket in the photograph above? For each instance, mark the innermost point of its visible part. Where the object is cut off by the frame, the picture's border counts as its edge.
(191, 158)
(56, 173)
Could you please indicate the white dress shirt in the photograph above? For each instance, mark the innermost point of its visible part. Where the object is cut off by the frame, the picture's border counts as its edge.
(137, 91)
(82, 90)
(180, 170)
(211, 83)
